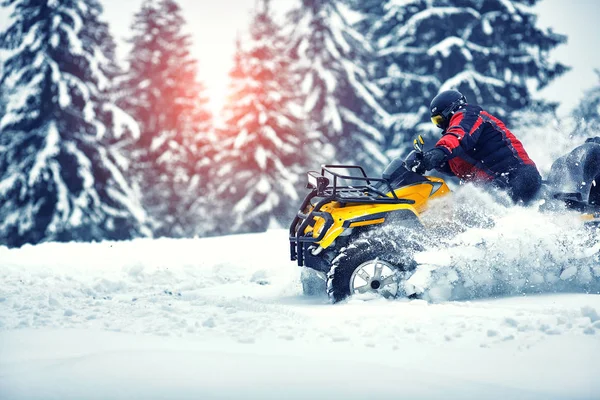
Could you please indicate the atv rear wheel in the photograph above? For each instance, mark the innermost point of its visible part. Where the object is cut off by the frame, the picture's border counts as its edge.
(368, 266)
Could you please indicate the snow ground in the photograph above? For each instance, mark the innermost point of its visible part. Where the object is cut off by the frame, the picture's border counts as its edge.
(220, 318)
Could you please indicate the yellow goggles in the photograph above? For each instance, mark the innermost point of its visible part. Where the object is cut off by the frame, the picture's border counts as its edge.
(438, 121)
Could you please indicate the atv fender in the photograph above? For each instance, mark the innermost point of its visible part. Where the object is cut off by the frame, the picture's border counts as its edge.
(346, 218)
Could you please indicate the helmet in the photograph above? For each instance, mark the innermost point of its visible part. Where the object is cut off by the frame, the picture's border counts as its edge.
(444, 105)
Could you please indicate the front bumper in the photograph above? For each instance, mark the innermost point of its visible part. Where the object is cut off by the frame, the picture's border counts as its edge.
(299, 241)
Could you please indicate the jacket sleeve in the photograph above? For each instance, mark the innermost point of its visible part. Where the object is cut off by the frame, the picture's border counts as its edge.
(462, 135)
(451, 140)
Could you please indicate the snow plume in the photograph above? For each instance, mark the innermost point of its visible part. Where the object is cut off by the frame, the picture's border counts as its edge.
(546, 137)
(546, 143)
(484, 247)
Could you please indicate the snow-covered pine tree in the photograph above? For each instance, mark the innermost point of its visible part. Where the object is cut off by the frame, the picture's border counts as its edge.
(588, 111)
(121, 127)
(341, 101)
(266, 149)
(221, 189)
(162, 92)
(2, 93)
(97, 31)
(3, 56)
(369, 12)
(489, 50)
(58, 180)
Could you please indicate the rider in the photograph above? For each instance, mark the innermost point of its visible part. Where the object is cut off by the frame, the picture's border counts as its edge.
(477, 147)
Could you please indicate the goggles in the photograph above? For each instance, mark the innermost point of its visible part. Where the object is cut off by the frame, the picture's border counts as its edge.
(438, 121)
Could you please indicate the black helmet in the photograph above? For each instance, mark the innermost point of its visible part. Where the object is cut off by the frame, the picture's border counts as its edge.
(444, 105)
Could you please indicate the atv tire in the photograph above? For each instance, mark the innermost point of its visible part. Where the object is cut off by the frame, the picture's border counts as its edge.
(355, 269)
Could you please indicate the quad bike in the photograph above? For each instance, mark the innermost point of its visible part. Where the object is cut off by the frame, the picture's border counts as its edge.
(324, 236)
(345, 205)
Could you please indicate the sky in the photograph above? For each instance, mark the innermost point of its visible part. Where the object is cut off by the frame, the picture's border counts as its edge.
(578, 19)
(214, 26)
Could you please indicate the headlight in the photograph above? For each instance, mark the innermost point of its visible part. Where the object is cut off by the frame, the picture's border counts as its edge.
(317, 181)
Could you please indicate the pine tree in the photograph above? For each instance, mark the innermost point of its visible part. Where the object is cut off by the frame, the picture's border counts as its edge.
(369, 11)
(341, 101)
(266, 151)
(489, 50)
(121, 128)
(162, 92)
(58, 180)
(2, 93)
(588, 111)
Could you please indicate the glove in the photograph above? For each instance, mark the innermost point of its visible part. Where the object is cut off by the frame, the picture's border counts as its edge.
(431, 159)
(414, 161)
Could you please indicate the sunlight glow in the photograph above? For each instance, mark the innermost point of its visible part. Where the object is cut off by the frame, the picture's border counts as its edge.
(216, 88)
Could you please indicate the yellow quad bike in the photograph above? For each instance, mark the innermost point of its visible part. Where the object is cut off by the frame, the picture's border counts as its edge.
(340, 236)
(328, 234)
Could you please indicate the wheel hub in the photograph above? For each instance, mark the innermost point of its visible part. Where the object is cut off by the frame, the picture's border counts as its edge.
(375, 276)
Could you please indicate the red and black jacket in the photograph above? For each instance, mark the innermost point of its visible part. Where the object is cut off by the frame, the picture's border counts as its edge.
(480, 147)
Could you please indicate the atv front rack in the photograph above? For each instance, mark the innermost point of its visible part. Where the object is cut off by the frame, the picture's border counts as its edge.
(362, 194)
(365, 193)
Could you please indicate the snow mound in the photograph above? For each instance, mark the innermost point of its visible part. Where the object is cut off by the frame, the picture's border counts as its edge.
(486, 248)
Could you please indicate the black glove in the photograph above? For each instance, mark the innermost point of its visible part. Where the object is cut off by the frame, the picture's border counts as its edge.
(431, 159)
(413, 161)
